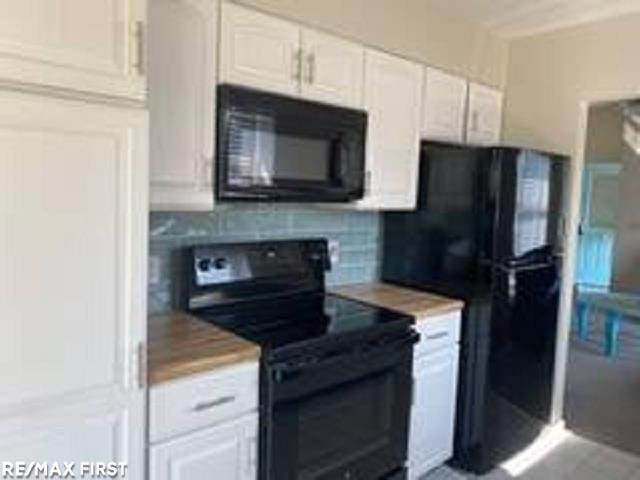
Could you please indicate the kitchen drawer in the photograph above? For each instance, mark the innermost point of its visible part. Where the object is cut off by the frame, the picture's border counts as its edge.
(437, 332)
(202, 400)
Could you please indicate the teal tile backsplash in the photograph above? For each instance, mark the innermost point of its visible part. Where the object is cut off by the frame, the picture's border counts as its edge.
(358, 234)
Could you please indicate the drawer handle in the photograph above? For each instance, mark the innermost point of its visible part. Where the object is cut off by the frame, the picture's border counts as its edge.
(199, 407)
(436, 336)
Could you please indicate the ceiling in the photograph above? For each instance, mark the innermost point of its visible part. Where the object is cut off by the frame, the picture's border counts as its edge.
(514, 18)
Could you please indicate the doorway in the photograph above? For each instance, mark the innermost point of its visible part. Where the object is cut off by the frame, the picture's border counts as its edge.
(602, 398)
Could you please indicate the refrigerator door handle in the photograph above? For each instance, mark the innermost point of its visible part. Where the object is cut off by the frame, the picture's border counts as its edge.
(512, 286)
(524, 268)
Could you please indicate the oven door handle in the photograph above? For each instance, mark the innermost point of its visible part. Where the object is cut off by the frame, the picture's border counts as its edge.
(286, 370)
(410, 339)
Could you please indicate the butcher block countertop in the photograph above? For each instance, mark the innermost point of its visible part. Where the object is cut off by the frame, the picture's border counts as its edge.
(406, 300)
(181, 345)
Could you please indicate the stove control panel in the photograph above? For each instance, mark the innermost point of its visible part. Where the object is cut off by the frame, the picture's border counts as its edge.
(216, 267)
(223, 273)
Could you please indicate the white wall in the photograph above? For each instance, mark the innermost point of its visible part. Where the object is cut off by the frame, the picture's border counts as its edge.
(549, 75)
(409, 28)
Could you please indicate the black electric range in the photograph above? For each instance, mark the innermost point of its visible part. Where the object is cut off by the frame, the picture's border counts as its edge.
(335, 386)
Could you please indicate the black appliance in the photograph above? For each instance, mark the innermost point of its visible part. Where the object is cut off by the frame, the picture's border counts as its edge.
(489, 229)
(335, 386)
(272, 147)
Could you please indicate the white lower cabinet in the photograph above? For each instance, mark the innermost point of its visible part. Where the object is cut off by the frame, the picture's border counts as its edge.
(433, 414)
(227, 451)
(435, 374)
(94, 431)
(205, 426)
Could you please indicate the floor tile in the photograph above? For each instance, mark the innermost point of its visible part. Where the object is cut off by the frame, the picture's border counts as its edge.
(574, 459)
(616, 464)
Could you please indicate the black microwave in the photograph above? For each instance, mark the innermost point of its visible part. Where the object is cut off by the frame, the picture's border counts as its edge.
(277, 148)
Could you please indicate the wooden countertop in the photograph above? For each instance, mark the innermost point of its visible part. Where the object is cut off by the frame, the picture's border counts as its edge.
(181, 345)
(407, 300)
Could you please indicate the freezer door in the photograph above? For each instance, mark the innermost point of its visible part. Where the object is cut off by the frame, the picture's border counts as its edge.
(529, 192)
(437, 246)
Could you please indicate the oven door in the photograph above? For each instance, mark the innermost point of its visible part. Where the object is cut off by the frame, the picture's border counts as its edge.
(342, 418)
(272, 147)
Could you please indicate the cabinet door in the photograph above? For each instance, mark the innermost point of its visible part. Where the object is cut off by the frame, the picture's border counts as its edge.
(228, 451)
(73, 203)
(484, 120)
(433, 410)
(444, 102)
(182, 102)
(80, 433)
(259, 51)
(94, 46)
(392, 100)
(332, 69)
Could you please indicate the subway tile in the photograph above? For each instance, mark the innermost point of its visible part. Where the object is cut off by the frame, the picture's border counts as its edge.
(319, 221)
(357, 232)
(363, 221)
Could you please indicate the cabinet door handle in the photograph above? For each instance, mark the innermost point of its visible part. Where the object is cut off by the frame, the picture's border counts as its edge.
(139, 40)
(311, 68)
(367, 181)
(413, 390)
(474, 121)
(297, 65)
(206, 172)
(201, 406)
(436, 336)
(252, 446)
(142, 365)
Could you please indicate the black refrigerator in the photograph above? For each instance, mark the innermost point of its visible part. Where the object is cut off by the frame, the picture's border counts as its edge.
(488, 229)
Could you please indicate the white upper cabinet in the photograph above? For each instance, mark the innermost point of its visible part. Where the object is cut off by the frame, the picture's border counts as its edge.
(73, 203)
(392, 91)
(259, 51)
(444, 101)
(183, 36)
(267, 53)
(332, 69)
(484, 120)
(92, 46)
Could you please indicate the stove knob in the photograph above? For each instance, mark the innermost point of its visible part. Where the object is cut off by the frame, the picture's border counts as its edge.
(204, 265)
(220, 263)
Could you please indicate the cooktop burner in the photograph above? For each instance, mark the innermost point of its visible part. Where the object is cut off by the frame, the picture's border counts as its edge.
(293, 322)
